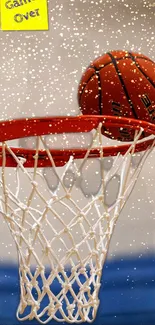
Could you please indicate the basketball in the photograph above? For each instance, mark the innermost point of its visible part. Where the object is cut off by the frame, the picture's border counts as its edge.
(119, 83)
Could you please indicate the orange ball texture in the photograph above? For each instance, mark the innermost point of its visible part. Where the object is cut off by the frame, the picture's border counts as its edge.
(119, 83)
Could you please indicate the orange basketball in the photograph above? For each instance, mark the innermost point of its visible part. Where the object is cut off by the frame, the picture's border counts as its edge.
(119, 83)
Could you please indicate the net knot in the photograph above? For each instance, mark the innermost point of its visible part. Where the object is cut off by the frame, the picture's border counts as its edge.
(74, 270)
(23, 206)
(92, 234)
(98, 272)
(82, 270)
(73, 250)
(46, 288)
(22, 306)
(121, 197)
(35, 308)
(66, 287)
(36, 225)
(80, 305)
(21, 160)
(30, 249)
(51, 309)
(24, 268)
(47, 249)
(85, 288)
(36, 156)
(94, 252)
(68, 196)
(6, 192)
(18, 233)
(29, 287)
(71, 307)
(34, 183)
(106, 215)
(34, 283)
(80, 219)
(40, 269)
(66, 229)
(49, 203)
(9, 217)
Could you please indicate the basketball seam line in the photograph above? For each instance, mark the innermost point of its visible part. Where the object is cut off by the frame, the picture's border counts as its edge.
(119, 59)
(83, 88)
(99, 90)
(140, 69)
(98, 70)
(123, 85)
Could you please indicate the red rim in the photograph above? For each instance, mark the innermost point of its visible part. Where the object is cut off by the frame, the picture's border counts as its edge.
(20, 128)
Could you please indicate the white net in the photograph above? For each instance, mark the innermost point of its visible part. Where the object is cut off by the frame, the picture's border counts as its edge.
(62, 237)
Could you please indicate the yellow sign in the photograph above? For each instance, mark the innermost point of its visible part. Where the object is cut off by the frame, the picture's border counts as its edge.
(24, 15)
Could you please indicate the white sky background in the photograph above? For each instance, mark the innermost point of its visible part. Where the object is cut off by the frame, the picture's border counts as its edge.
(39, 76)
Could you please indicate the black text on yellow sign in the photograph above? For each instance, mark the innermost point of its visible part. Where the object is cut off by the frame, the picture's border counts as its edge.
(24, 15)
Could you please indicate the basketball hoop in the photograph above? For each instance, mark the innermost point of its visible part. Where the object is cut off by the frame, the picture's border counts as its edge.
(63, 236)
